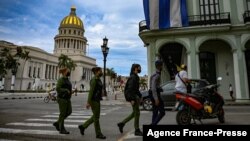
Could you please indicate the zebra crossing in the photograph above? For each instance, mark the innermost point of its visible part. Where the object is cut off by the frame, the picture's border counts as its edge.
(43, 125)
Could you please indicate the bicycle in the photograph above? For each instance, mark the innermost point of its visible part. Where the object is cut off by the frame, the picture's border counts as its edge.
(51, 96)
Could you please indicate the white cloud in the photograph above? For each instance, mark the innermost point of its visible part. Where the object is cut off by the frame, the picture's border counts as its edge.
(36, 24)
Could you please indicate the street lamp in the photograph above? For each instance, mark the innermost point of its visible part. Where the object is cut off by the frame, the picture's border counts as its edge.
(105, 51)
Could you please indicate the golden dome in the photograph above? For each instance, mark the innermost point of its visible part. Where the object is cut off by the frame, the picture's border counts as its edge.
(72, 20)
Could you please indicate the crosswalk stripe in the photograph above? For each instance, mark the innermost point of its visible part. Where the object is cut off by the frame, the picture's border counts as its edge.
(74, 117)
(39, 124)
(27, 131)
(54, 120)
(81, 114)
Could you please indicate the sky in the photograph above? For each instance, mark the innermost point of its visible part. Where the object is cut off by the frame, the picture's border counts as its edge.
(36, 22)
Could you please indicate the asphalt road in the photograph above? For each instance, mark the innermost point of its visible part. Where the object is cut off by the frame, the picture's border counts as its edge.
(31, 119)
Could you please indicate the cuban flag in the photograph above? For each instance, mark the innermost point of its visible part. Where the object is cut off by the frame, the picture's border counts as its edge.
(163, 14)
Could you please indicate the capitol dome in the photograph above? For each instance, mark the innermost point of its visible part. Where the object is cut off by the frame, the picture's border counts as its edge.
(72, 20)
(70, 39)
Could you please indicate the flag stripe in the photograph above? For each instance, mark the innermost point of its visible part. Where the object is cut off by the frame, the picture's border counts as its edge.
(175, 16)
(154, 14)
(164, 21)
(184, 13)
(146, 11)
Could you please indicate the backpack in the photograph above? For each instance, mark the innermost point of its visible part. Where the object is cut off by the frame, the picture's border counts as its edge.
(126, 93)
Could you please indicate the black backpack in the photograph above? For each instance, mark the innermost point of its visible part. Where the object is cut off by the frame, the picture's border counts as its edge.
(126, 92)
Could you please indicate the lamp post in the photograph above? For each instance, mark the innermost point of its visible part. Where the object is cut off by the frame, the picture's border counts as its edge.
(105, 51)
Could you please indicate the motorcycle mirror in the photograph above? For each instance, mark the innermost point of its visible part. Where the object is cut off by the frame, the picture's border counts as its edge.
(219, 78)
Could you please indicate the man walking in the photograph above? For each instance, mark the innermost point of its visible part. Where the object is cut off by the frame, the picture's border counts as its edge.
(158, 105)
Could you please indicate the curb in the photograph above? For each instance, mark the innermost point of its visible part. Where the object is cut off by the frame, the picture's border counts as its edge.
(13, 98)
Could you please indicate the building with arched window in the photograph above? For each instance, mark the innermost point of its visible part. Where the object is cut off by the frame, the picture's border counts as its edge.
(42, 71)
(214, 43)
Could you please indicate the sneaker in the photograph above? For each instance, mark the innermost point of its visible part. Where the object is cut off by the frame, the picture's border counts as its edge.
(120, 125)
(138, 132)
(101, 136)
(81, 129)
(56, 125)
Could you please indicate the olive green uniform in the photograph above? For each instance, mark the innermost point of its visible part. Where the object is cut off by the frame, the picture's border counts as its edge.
(64, 90)
(94, 97)
(134, 95)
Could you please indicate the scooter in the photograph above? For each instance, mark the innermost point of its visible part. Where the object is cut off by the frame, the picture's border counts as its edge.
(206, 103)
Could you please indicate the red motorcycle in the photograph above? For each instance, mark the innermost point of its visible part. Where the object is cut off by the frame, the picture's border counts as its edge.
(206, 103)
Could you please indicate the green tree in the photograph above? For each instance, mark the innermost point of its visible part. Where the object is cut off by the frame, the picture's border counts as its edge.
(65, 61)
(11, 61)
(23, 55)
(143, 83)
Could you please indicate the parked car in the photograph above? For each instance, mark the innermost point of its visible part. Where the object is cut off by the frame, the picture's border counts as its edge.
(168, 95)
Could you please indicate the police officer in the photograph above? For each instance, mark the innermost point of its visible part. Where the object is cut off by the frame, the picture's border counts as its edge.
(158, 105)
(94, 97)
(64, 91)
(134, 97)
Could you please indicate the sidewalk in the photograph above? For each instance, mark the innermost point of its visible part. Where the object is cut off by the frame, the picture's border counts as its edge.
(237, 102)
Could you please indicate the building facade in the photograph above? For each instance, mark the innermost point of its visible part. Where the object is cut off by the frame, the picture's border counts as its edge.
(216, 43)
(41, 71)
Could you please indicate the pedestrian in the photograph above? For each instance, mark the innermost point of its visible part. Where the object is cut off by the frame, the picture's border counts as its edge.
(64, 92)
(155, 90)
(182, 80)
(82, 87)
(75, 89)
(231, 91)
(134, 97)
(94, 98)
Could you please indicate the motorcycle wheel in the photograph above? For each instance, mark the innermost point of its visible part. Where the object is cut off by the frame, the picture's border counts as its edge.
(147, 104)
(221, 115)
(46, 99)
(183, 117)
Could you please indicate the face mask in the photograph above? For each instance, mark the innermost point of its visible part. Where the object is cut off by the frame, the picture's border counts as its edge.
(68, 74)
(139, 71)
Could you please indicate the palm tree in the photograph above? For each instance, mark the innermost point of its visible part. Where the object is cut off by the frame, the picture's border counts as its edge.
(24, 55)
(3, 72)
(11, 61)
(12, 64)
(3, 69)
(65, 61)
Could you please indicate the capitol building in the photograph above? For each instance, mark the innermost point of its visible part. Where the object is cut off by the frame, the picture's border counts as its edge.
(42, 69)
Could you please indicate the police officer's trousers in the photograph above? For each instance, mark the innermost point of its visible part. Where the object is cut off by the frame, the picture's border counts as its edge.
(95, 106)
(135, 114)
(65, 109)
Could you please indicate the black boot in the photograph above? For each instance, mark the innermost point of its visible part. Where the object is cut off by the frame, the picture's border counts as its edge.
(121, 125)
(81, 129)
(101, 136)
(56, 125)
(138, 132)
(64, 131)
